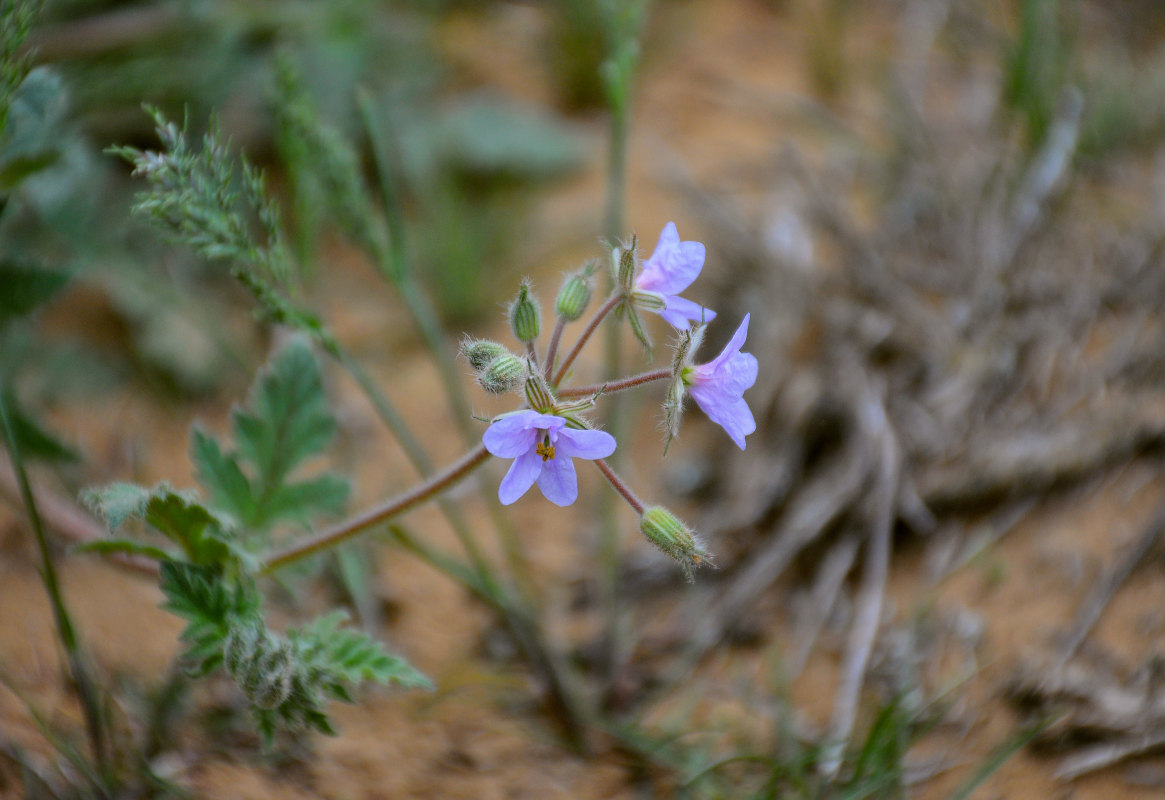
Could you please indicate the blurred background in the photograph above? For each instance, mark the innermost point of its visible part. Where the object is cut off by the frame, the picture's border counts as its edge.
(947, 220)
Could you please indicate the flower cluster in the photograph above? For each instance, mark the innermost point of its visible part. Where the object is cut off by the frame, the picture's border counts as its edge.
(544, 437)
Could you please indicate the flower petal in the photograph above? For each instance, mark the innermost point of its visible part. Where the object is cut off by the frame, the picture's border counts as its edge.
(673, 265)
(523, 472)
(558, 481)
(734, 344)
(512, 435)
(729, 411)
(737, 374)
(678, 311)
(584, 444)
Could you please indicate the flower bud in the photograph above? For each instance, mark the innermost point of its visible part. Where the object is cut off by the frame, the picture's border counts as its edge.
(623, 264)
(268, 681)
(573, 297)
(480, 352)
(504, 374)
(525, 315)
(538, 393)
(663, 529)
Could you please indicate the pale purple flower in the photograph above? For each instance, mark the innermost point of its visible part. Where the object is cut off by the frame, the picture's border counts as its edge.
(718, 387)
(542, 448)
(671, 269)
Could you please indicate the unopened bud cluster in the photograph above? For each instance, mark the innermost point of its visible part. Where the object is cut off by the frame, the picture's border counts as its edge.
(498, 370)
(262, 664)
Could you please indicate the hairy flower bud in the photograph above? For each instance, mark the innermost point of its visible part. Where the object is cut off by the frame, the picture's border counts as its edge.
(480, 352)
(504, 374)
(538, 393)
(268, 682)
(624, 264)
(525, 315)
(574, 296)
(663, 529)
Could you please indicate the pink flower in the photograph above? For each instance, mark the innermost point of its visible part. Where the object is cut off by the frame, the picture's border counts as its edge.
(671, 269)
(718, 387)
(542, 448)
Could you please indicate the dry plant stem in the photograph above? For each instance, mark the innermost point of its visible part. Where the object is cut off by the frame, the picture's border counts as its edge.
(616, 386)
(826, 588)
(377, 514)
(620, 487)
(873, 588)
(603, 311)
(1099, 756)
(552, 349)
(1103, 591)
(78, 668)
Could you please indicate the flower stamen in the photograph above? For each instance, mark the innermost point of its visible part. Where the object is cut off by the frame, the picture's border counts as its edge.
(545, 449)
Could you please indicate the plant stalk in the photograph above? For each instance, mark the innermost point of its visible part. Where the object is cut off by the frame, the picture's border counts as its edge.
(603, 311)
(78, 668)
(452, 475)
(616, 386)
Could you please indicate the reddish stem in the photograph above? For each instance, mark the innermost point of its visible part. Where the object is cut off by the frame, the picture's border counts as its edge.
(620, 487)
(605, 309)
(616, 386)
(377, 514)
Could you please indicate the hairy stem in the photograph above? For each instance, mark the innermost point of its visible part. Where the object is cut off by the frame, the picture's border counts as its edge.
(616, 386)
(552, 349)
(379, 513)
(603, 311)
(620, 487)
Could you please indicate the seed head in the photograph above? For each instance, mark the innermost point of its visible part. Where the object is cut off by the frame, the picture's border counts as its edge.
(664, 530)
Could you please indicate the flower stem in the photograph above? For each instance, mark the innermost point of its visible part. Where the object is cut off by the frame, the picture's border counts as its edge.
(620, 487)
(532, 353)
(552, 350)
(603, 311)
(616, 386)
(379, 513)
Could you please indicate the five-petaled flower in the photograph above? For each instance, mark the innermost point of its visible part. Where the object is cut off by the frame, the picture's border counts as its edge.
(542, 448)
(718, 387)
(671, 269)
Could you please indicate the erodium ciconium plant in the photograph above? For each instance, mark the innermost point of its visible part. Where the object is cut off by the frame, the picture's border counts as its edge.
(260, 480)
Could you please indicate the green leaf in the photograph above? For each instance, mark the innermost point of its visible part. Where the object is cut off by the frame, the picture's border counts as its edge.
(286, 422)
(123, 546)
(117, 502)
(200, 532)
(33, 440)
(351, 657)
(327, 493)
(24, 287)
(289, 419)
(29, 141)
(204, 536)
(210, 604)
(230, 489)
